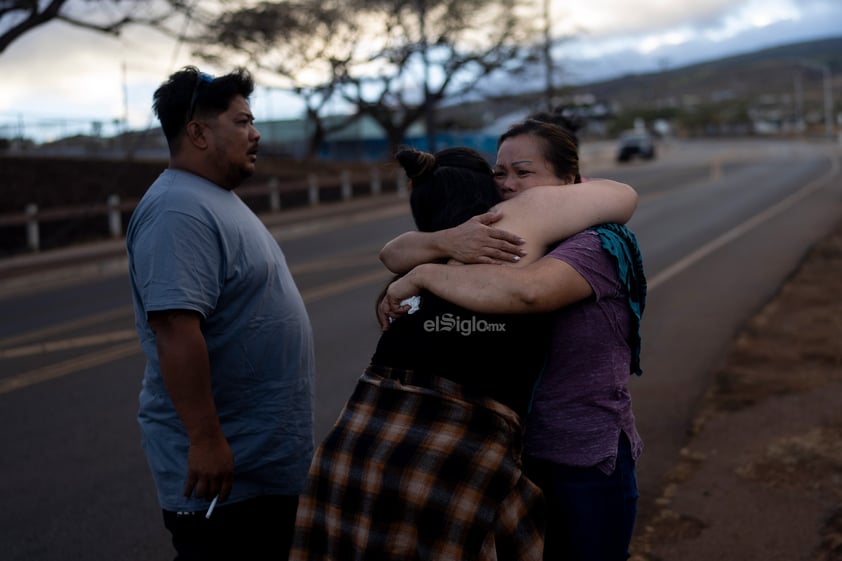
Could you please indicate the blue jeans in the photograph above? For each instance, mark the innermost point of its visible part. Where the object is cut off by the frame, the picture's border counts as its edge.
(590, 515)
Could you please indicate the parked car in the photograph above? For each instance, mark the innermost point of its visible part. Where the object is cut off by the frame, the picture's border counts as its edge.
(635, 143)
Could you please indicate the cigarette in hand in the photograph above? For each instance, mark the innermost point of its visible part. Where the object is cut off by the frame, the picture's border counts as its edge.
(211, 507)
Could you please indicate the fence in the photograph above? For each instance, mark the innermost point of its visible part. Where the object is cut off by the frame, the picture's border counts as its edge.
(313, 190)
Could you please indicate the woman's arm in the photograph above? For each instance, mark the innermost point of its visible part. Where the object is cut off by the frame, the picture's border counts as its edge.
(543, 215)
(548, 214)
(474, 241)
(542, 286)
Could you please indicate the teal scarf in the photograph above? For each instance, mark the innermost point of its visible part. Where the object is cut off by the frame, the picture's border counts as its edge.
(621, 243)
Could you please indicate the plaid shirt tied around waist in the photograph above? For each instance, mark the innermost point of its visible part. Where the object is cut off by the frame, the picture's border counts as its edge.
(417, 469)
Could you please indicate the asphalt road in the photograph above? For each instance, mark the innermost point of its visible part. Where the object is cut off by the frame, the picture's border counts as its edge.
(721, 225)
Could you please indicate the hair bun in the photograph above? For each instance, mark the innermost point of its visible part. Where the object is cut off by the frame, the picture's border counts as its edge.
(415, 162)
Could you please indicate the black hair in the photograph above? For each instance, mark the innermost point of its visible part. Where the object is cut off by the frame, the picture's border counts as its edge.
(448, 187)
(562, 117)
(188, 93)
(561, 147)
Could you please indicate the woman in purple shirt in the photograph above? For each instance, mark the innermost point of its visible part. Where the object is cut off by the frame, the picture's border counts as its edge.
(581, 440)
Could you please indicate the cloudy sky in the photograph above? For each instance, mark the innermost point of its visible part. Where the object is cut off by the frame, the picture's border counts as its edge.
(59, 74)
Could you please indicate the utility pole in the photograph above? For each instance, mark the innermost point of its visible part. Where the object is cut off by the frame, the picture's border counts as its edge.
(429, 109)
(828, 93)
(549, 67)
(828, 102)
(798, 108)
(125, 99)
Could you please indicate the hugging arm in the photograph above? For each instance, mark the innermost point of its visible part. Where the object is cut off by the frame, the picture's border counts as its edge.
(542, 286)
(474, 241)
(546, 215)
(543, 215)
(560, 212)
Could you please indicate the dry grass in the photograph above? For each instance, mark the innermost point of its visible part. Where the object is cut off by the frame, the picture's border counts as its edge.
(792, 346)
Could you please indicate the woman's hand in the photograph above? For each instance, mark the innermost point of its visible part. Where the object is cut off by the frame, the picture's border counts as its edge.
(392, 305)
(476, 241)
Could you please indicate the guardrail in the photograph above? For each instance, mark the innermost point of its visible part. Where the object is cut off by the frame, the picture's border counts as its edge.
(113, 208)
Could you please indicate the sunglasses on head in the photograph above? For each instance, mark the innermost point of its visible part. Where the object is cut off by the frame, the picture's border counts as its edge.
(201, 78)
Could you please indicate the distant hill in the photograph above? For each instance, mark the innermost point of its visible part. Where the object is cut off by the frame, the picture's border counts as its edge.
(785, 74)
(768, 71)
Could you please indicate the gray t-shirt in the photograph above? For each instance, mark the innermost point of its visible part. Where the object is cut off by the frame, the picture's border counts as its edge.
(193, 245)
(582, 402)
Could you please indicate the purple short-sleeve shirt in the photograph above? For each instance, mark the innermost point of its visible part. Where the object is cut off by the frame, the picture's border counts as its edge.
(582, 403)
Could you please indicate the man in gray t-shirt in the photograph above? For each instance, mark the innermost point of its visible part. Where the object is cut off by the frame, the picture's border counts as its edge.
(226, 407)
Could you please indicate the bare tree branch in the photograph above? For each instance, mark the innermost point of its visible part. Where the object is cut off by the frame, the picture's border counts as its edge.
(103, 16)
(391, 60)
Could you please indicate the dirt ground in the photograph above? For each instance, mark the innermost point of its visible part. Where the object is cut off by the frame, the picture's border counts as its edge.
(761, 476)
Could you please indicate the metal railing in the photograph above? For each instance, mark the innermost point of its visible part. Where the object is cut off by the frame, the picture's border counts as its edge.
(32, 218)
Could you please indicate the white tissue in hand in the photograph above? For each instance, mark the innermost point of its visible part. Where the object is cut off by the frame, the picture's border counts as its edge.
(414, 303)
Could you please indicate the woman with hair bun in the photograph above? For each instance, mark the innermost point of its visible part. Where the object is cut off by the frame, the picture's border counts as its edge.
(581, 443)
(424, 460)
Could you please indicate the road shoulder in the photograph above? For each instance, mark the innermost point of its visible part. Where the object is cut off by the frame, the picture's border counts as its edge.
(760, 476)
